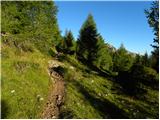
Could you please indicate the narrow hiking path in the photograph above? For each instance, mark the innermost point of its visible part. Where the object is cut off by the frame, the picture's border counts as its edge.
(56, 92)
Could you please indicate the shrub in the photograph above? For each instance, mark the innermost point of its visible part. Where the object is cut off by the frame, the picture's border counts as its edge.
(129, 84)
(64, 72)
(122, 60)
(150, 77)
(144, 75)
(61, 70)
(138, 74)
(52, 52)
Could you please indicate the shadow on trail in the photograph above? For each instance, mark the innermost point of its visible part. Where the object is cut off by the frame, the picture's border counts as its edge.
(140, 111)
(106, 108)
(66, 114)
(4, 109)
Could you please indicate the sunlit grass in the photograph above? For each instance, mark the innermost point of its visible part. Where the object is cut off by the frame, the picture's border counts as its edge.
(88, 95)
(24, 81)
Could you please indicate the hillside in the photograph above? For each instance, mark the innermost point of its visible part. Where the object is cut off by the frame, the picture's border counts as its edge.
(24, 83)
(88, 94)
(49, 76)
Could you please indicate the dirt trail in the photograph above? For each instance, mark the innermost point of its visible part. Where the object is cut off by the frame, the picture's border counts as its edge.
(56, 93)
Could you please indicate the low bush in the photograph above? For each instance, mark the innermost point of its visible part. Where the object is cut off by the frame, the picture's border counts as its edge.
(129, 85)
(60, 70)
(150, 78)
(52, 52)
(132, 80)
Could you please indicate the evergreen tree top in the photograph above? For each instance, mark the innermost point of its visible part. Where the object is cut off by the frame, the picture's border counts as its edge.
(89, 22)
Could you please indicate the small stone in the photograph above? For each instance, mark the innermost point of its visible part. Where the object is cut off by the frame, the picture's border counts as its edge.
(12, 91)
(71, 67)
(41, 99)
(99, 94)
(92, 81)
(106, 95)
(38, 96)
(148, 118)
(59, 97)
(54, 117)
(134, 113)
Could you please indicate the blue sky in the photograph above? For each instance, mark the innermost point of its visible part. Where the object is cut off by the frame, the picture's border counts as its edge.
(118, 22)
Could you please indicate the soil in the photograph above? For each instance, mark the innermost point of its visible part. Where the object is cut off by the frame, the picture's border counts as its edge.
(56, 94)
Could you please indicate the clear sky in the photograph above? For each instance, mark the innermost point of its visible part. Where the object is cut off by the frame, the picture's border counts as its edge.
(118, 22)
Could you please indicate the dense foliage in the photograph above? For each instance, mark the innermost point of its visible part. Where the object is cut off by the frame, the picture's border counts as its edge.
(122, 59)
(102, 60)
(153, 19)
(34, 22)
(68, 44)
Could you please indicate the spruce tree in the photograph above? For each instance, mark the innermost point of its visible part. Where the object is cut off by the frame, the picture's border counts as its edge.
(153, 19)
(138, 59)
(103, 59)
(87, 41)
(69, 43)
(146, 60)
(91, 47)
(122, 59)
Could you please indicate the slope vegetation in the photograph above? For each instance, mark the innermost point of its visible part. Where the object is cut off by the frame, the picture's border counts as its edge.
(24, 82)
(90, 95)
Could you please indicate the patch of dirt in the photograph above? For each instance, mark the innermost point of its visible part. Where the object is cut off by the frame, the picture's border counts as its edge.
(56, 94)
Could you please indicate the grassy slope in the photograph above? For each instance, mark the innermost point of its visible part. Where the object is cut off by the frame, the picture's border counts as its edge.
(89, 95)
(24, 82)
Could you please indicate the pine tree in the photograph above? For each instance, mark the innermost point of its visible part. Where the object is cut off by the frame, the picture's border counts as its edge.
(153, 19)
(122, 59)
(87, 40)
(69, 43)
(91, 47)
(138, 59)
(102, 60)
(146, 60)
